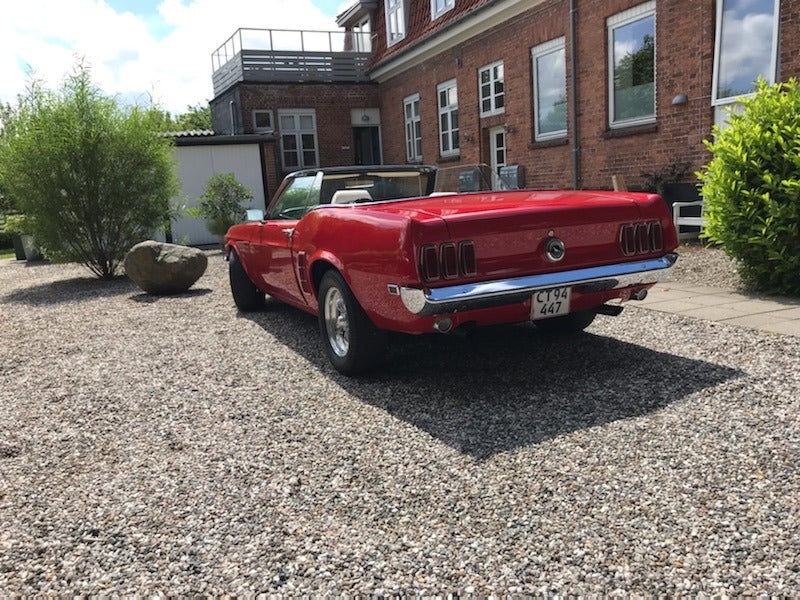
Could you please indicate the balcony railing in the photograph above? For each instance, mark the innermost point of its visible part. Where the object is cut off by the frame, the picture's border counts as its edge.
(277, 55)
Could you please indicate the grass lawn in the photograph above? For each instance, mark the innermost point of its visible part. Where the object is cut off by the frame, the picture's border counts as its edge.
(6, 253)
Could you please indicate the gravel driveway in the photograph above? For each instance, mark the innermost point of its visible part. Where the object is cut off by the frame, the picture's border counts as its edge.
(170, 445)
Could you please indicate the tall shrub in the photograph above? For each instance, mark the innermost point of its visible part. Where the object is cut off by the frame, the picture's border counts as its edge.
(222, 203)
(751, 188)
(94, 177)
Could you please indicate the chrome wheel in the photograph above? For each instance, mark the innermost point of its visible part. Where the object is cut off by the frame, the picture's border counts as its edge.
(336, 322)
(352, 342)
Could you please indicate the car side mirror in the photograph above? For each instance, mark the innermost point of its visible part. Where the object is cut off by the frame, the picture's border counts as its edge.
(255, 214)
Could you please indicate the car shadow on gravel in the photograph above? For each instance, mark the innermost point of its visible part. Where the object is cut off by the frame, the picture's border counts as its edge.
(507, 387)
(70, 290)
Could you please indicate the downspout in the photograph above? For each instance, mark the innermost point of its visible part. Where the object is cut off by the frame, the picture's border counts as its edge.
(573, 61)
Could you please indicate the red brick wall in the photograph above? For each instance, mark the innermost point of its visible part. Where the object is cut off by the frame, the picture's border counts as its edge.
(332, 103)
(790, 39)
(684, 64)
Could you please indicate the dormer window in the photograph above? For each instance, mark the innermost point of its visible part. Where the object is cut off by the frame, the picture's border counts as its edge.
(439, 7)
(395, 21)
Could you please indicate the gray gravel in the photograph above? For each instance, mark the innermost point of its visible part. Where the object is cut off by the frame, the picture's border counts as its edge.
(706, 266)
(170, 445)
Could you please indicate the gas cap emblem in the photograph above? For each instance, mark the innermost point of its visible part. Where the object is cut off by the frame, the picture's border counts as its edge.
(554, 249)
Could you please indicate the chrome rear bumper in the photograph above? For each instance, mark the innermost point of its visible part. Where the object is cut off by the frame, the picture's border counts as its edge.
(486, 294)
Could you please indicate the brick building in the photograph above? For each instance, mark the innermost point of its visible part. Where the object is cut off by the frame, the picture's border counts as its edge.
(573, 91)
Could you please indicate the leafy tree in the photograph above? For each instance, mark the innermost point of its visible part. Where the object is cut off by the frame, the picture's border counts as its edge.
(195, 117)
(751, 188)
(93, 177)
(222, 203)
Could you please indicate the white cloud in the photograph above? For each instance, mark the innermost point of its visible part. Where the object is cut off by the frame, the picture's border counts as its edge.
(128, 57)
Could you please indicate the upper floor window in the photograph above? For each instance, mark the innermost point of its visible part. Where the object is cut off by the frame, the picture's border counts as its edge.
(262, 121)
(448, 118)
(395, 21)
(746, 47)
(490, 89)
(439, 7)
(549, 90)
(298, 138)
(631, 66)
(413, 128)
(362, 35)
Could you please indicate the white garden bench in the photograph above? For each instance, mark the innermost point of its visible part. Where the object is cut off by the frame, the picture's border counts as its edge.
(680, 220)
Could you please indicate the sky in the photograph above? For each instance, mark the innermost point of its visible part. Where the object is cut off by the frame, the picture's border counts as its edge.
(141, 51)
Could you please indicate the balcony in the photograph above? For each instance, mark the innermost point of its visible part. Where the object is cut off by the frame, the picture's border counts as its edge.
(283, 56)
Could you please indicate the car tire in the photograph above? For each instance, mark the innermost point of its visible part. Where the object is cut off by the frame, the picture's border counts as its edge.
(246, 295)
(571, 323)
(352, 342)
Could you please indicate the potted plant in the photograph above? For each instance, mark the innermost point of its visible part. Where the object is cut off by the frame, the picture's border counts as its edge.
(21, 226)
(222, 203)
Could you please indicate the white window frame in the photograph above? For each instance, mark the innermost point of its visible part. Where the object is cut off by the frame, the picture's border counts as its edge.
(537, 52)
(622, 19)
(298, 133)
(413, 141)
(773, 68)
(451, 133)
(439, 7)
(395, 21)
(258, 129)
(493, 96)
(362, 38)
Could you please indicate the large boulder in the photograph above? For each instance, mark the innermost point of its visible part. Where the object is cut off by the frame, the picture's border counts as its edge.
(160, 268)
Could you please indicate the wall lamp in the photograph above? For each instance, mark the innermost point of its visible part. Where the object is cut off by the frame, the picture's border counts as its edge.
(680, 99)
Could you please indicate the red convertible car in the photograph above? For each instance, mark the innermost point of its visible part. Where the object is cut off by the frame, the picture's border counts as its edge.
(375, 249)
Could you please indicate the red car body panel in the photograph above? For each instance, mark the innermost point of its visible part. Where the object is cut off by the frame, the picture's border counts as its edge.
(377, 247)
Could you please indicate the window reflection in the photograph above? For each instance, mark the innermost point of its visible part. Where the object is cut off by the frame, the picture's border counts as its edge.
(634, 69)
(745, 48)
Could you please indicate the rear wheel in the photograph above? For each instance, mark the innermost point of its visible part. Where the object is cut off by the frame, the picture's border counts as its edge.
(246, 295)
(571, 323)
(352, 342)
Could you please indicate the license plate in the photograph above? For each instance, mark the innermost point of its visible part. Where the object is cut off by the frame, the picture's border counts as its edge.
(550, 303)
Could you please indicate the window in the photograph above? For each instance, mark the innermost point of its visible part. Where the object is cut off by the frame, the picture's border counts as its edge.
(448, 118)
(631, 58)
(395, 21)
(362, 36)
(262, 121)
(439, 7)
(549, 90)
(298, 138)
(746, 47)
(490, 88)
(413, 129)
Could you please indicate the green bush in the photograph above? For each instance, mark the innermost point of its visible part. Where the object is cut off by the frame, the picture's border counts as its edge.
(751, 188)
(94, 178)
(222, 203)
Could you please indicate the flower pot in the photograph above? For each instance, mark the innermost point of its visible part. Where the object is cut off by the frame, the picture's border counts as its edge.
(30, 247)
(19, 250)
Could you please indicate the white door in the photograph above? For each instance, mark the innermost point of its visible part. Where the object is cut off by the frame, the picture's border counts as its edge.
(497, 154)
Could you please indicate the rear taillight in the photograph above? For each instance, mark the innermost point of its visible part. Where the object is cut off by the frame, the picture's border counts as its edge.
(466, 257)
(448, 261)
(656, 236)
(641, 238)
(429, 263)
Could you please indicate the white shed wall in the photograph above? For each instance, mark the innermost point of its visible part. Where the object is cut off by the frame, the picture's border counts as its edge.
(195, 165)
